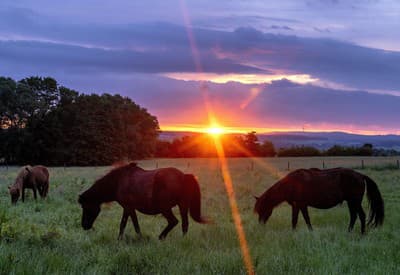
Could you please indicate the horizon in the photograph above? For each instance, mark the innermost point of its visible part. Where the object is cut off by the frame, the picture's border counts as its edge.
(199, 129)
(314, 66)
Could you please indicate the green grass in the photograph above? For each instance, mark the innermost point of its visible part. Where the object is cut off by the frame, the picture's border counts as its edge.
(45, 237)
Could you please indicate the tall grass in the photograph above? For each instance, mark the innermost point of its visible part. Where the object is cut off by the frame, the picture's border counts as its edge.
(45, 237)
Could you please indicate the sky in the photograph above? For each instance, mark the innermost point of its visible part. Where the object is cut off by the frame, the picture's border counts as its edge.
(303, 65)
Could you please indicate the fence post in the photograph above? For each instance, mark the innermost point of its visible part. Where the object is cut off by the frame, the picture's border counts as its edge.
(156, 165)
(323, 164)
(362, 164)
(288, 166)
(398, 164)
(188, 164)
(252, 166)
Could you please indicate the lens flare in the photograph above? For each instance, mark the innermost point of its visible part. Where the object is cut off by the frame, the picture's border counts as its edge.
(234, 207)
(221, 155)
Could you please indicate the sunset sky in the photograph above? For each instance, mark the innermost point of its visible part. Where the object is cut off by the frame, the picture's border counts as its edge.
(254, 65)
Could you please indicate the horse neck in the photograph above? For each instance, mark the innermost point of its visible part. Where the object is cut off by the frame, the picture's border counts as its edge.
(19, 181)
(102, 191)
(277, 193)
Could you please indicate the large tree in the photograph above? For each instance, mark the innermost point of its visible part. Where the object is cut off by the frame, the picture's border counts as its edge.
(43, 122)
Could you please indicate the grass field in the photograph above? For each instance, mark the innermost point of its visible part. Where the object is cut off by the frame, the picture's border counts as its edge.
(45, 237)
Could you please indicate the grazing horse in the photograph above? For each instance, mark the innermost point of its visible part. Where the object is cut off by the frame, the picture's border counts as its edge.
(323, 189)
(35, 178)
(150, 192)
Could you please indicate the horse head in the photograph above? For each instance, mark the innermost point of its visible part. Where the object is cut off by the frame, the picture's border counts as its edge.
(14, 192)
(90, 211)
(263, 208)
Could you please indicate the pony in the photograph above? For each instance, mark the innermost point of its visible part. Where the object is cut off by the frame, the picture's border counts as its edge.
(323, 189)
(150, 192)
(32, 177)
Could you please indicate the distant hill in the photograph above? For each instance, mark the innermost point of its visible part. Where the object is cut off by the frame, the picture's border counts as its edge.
(320, 140)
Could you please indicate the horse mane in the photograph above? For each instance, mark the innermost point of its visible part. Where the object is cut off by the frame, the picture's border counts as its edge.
(19, 180)
(272, 196)
(105, 186)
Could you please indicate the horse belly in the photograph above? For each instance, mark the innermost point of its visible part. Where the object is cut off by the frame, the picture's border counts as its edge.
(149, 211)
(326, 201)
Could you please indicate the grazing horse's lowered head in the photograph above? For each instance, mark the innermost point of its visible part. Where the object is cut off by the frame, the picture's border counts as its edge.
(14, 193)
(90, 212)
(264, 206)
(16, 188)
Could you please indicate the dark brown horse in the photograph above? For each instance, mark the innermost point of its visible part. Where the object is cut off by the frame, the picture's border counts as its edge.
(150, 192)
(35, 178)
(323, 189)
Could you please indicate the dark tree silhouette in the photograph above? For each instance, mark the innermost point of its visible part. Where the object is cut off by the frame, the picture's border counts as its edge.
(42, 122)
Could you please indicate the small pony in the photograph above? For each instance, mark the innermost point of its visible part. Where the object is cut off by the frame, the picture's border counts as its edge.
(148, 191)
(35, 178)
(323, 189)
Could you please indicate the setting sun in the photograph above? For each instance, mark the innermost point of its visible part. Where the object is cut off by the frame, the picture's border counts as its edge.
(215, 130)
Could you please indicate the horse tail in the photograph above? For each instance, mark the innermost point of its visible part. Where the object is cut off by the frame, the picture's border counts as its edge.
(376, 205)
(194, 196)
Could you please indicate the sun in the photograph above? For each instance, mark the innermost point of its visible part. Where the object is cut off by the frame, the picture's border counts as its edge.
(215, 131)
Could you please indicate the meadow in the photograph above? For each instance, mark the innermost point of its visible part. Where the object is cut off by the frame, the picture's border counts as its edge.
(45, 236)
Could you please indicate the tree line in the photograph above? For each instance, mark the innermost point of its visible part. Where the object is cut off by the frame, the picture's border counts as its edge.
(43, 122)
(203, 145)
(248, 145)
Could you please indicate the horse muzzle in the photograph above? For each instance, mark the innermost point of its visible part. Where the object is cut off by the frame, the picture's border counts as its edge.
(86, 226)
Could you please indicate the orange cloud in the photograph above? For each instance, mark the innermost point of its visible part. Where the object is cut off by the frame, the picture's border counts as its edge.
(241, 78)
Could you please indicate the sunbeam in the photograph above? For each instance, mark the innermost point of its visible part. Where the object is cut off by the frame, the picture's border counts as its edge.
(220, 151)
(234, 208)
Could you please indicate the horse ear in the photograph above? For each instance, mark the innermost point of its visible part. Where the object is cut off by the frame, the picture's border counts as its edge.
(256, 197)
(9, 187)
(28, 168)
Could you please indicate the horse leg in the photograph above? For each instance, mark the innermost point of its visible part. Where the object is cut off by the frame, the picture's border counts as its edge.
(361, 215)
(172, 222)
(135, 221)
(304, 211)
(34, 192)
(295, 215)
(46, 189)
(23, 194)
(353, 214)
(40, 190)
(122, 225)
(183, 209)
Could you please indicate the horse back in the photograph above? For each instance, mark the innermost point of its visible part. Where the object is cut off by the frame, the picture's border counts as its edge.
(38, 175)
(326, 188)
(150, 190)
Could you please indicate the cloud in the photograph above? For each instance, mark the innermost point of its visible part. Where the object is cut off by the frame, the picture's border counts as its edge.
(45, 44)
(277, 27)
(34, 57)
(326, 30)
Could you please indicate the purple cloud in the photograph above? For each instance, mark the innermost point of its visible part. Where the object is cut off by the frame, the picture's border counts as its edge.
(164, 47)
